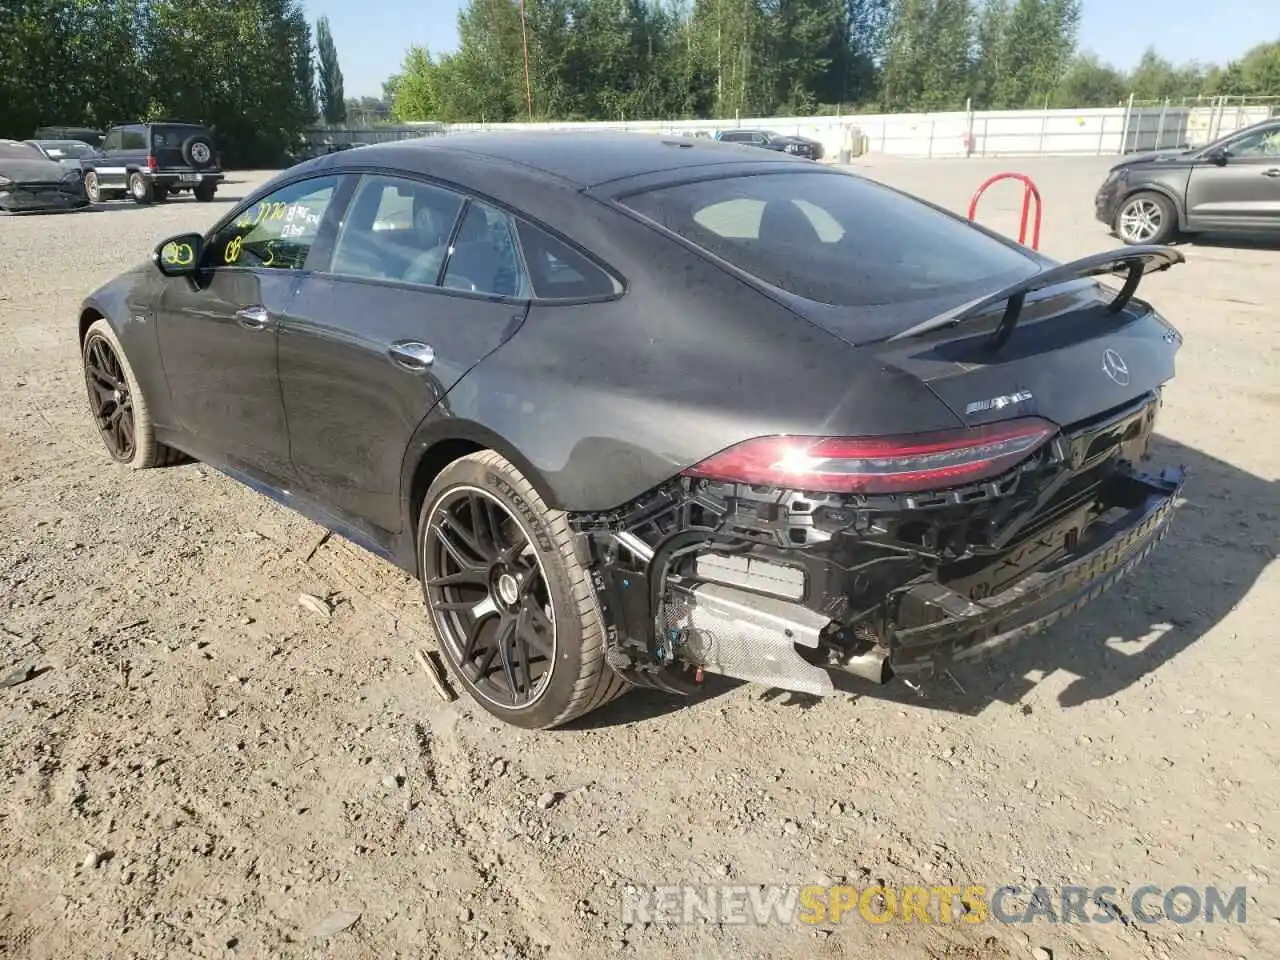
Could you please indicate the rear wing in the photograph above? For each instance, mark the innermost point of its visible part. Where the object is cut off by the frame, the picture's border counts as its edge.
(1136, 262)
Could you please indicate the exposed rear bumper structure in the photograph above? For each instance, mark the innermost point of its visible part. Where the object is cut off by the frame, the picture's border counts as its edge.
(787, 589)
(965, 629)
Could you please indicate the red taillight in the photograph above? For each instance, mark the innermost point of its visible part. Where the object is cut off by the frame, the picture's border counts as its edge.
(902, 464)
(151, 162)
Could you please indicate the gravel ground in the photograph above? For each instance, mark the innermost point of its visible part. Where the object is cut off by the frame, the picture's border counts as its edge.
(204, 768)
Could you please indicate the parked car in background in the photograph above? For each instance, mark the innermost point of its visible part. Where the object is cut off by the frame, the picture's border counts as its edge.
(1231, 185)
(30, 181)
(151, 161)
(838, 444)
(796, 146)
(88, 135)
(65, 152)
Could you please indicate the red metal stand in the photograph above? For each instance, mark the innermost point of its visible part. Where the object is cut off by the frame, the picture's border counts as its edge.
(1029, 190)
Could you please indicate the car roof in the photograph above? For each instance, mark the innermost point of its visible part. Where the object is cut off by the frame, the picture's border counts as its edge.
(584, 158)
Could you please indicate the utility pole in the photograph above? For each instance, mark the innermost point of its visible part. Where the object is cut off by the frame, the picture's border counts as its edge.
(524, 39)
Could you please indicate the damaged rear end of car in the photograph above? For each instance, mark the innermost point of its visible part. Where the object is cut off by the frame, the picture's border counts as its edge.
(785, 560)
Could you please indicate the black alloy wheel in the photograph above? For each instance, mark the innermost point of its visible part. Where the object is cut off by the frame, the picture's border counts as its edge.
(488, 591)
(110, 397)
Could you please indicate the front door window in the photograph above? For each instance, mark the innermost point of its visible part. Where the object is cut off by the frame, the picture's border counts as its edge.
(278, 231)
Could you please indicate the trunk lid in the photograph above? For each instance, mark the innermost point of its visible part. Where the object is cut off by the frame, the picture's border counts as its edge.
(1057, 345)
(1067, 360)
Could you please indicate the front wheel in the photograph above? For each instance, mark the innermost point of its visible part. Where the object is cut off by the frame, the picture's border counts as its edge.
(116, 401)
(512, 605)
(1146, 218)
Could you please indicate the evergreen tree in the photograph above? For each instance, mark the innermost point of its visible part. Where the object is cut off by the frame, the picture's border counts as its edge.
(333, 102)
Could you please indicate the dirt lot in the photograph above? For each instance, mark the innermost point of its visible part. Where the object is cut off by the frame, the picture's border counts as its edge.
(203, 768)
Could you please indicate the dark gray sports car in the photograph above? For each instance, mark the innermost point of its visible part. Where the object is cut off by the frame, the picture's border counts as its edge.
(30, 181)
(637, 408)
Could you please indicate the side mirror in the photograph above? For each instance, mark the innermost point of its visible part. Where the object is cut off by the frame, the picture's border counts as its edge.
(179, 256)
(1218, 156)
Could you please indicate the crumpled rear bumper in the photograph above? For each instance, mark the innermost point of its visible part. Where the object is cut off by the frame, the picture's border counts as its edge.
(963, 629)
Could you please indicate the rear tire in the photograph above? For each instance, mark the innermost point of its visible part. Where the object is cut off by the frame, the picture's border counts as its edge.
(205, 192)
(116, 400)
(482, 503)
(1146, 218)
(140, 188)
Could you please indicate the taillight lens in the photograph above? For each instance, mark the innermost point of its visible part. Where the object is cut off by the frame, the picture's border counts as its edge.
(901, 464)
(151, 162)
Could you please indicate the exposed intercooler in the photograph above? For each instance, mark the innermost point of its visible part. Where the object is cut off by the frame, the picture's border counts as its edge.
(740, 634)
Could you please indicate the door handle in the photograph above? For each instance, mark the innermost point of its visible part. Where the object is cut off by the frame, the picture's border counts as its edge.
(1273, 172)
(412, 355)
(254, 318)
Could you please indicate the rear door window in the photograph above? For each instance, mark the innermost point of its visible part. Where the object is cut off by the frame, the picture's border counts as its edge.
(834, 238)
(484, 257)
(133, 139)
(396, 229)
(559, 272)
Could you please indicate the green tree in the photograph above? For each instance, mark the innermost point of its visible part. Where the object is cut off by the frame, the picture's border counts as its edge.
(928, 64)
(906, 58)
(333, 104)
(233, 65)
(70, 62)
(1038, 41)
(1260, 70)
(950, 47)
(1091, 83)
(304, 67)
(989, 59)
(414, 91)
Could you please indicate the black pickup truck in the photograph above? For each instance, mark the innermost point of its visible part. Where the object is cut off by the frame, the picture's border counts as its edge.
(150, 161)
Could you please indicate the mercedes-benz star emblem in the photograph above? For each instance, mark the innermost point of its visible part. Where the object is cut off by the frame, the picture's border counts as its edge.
(1113, 366)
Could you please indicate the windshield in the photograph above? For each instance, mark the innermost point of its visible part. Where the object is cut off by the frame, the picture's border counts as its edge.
(58, 149)
(835, 238)
(12, 150)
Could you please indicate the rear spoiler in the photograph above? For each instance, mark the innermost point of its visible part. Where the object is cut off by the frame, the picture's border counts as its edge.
(1136, 261)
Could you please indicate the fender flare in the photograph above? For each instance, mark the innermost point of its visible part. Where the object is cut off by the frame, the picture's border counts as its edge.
(435, 431)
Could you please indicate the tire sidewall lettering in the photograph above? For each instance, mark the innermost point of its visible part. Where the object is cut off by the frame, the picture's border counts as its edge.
(527, 513)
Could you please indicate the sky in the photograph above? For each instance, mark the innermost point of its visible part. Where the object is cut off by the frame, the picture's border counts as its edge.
(371, 39)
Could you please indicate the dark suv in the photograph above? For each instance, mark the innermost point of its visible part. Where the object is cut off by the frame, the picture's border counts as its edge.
(149, 161)
(1230, 185)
